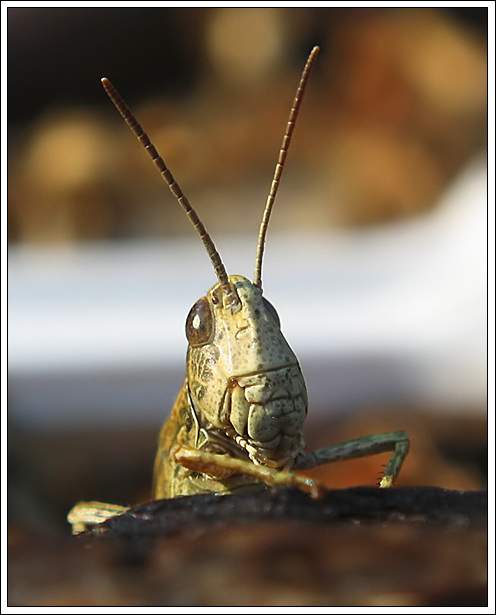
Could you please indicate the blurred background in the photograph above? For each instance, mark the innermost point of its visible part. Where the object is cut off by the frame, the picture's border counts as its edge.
(376, 255)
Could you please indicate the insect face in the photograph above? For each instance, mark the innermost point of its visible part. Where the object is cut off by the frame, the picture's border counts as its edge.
(245, 382)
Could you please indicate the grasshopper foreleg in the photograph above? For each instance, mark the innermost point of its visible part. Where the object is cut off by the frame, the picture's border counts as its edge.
(396, 441)
(223, 465)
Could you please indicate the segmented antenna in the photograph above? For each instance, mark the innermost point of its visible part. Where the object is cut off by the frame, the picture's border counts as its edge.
(158, 161)
(257, 279)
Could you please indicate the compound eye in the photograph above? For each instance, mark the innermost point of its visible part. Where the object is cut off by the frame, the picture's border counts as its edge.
(271, 310)
(200, 323)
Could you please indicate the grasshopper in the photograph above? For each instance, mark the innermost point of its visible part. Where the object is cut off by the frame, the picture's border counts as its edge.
(237, 423)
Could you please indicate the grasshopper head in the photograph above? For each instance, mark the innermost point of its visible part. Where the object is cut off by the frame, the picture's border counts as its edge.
(245, 383)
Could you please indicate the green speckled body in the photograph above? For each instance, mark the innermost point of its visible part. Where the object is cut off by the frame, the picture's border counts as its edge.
(244, 394)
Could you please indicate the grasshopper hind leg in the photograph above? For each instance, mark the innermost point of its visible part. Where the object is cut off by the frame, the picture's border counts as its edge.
(395, 441)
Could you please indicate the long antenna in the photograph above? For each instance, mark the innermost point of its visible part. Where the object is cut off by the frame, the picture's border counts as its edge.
(158, 161)
(257, 279)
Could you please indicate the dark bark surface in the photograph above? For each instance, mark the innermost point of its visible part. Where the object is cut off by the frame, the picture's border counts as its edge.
(357, 546)
(360, 504)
